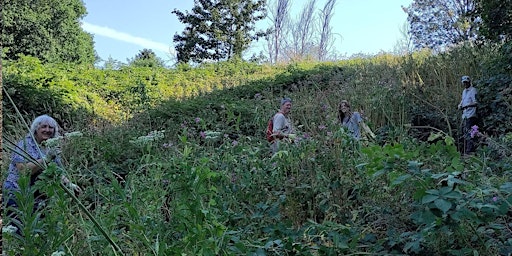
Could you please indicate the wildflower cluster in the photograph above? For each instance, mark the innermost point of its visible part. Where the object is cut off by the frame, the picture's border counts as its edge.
(73, 134)
(168, 145)
(152, 136)
(210, 135)
(55, 142)
(10, 229)
(474, 131)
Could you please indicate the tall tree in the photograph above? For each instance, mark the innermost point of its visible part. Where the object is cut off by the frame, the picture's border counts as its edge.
(326, 37)
(302, 37)
(47, 29)
(436, 24)
(279, 14)
(218, 29)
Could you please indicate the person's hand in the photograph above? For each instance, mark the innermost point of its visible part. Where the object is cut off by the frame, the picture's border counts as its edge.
(52, 154)
(75, 188)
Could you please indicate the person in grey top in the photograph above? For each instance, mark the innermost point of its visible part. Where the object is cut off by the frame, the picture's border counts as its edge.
(352, 121)
(283, 127)
(468, 104)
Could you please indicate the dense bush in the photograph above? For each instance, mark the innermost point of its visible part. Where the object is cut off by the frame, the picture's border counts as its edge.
(495, 88)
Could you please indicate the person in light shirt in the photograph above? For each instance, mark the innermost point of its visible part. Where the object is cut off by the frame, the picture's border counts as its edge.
(283, 127)
(468, 105)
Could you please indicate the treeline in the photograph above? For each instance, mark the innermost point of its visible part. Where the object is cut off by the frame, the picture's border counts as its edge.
(214, 31)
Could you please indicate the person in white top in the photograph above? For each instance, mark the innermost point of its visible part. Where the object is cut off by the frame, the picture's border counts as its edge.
(468, 105)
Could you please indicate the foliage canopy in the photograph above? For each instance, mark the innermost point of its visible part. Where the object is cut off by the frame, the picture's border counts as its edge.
(497, 19)
(436, 24)
(47, 29)
(218, 30)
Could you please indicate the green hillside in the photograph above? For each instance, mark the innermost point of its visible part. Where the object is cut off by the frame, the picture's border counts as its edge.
(175, 162)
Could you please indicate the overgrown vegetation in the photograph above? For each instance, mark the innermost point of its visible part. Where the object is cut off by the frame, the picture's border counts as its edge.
(209, 186)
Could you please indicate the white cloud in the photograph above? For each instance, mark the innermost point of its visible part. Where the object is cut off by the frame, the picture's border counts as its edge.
(121, 36)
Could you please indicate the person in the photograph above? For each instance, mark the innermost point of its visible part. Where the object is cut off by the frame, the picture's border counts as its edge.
(283, 127)
(30, 157)
(352, 121)
(468, 105)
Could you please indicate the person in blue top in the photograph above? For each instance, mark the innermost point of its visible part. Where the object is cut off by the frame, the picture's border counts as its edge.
(468, 105)
(352, 121)
(30, 157)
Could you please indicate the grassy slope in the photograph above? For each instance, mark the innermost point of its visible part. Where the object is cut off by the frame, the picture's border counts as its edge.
(224, 195)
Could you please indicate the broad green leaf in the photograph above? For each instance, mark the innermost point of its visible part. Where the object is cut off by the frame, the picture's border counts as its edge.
(434, 136)
(443, 205)
(429, 198)
(445, 190)
(401, 179)
(506, 187)
(449, 140)
(453, 195)
(433, 192)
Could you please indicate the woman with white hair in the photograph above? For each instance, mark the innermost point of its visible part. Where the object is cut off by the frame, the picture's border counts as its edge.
(31, 157)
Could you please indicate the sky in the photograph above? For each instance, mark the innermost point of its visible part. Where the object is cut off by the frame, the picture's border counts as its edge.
(122, 28)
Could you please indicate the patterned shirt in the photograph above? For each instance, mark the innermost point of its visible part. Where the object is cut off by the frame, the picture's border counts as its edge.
(25, 150)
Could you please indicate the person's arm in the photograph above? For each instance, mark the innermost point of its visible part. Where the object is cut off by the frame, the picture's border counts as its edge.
(367, 130)
(361, 122)
(35, 169)
(70, 184)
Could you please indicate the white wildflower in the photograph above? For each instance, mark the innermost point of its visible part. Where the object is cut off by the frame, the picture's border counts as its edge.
(9, 229)
(58, 253)
(73, 134)
(152, 136)
(211, 135)
(53, 142)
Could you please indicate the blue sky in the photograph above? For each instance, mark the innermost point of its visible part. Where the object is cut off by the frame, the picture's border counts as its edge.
(122, 28)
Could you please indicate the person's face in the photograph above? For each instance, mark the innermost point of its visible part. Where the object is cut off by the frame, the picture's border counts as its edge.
(286, 108)
(344, 108)
(44, 132)
(466, 84)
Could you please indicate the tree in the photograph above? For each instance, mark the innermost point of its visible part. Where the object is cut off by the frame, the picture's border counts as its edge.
(147, 58)
(280, 17)
(326, 36)
(496, 19)
(218, 29)
(437, 24)
(403, 45)
(302, 41)
(47, 29)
